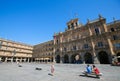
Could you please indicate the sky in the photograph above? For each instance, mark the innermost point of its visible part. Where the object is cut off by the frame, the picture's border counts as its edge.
(35, 21)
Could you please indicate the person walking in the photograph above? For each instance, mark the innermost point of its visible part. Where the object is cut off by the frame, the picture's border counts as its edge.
(52, 69)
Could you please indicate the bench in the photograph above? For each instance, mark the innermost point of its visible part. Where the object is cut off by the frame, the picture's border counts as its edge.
(89, 74)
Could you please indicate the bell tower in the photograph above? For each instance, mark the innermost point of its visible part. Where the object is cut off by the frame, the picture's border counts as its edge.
(72, 24)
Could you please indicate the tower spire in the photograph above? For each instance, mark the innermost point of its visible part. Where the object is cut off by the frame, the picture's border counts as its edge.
(75, 15)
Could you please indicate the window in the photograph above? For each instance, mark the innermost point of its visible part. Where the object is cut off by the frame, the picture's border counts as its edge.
(72, 26)
(115, 37)
(49, 54)
(100, 44)
(97, 31)
(118, 28)
(73, 37)
(85, 45)
(57, 41)
(57, 50)
(76, 24)
(74, 47)
(68, 27)
(117, 45)
(65, 49)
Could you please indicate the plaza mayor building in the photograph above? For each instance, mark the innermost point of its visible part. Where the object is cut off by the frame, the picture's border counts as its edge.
(94, 42)
(11, 51)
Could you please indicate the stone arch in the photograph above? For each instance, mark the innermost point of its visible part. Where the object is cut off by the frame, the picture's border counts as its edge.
(3, 59)
(76, 58)
(103, 57)
(73, 58)
(88, 58)
(30, 60)
(58, 59)
(118, 57)
(66, 58)
(26, 59)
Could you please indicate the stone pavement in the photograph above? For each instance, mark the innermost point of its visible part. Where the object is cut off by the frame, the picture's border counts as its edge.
(63, 72)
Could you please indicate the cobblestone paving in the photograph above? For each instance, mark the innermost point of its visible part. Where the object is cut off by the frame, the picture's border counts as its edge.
(63, 72)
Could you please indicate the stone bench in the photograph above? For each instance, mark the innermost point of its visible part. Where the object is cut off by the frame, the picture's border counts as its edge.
(88, 74)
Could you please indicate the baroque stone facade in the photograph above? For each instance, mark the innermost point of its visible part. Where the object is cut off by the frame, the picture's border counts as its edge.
(11, 51)
(94, 42)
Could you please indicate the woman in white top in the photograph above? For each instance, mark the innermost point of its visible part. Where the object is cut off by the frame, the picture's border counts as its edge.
(52, 69)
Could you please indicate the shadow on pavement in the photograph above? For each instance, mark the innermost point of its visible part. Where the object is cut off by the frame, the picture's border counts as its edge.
(50, 74)
(89, 76)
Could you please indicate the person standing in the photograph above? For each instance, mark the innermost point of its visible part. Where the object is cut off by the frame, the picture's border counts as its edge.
(52, 69)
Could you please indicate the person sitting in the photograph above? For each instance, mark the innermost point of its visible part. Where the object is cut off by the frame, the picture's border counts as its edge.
(88, 69)
(96, 70)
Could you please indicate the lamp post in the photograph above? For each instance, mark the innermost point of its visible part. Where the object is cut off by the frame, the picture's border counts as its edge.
(13, 54)
(0, 48)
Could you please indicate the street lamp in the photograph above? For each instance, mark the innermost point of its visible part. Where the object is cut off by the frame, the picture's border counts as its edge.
(13, 54)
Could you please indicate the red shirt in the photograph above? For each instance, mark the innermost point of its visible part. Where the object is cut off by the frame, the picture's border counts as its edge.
(96, 71)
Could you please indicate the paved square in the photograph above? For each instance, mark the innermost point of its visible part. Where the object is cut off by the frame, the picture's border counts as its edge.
(63, 72)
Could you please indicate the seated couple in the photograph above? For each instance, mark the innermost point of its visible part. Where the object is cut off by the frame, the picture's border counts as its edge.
(90, 70)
